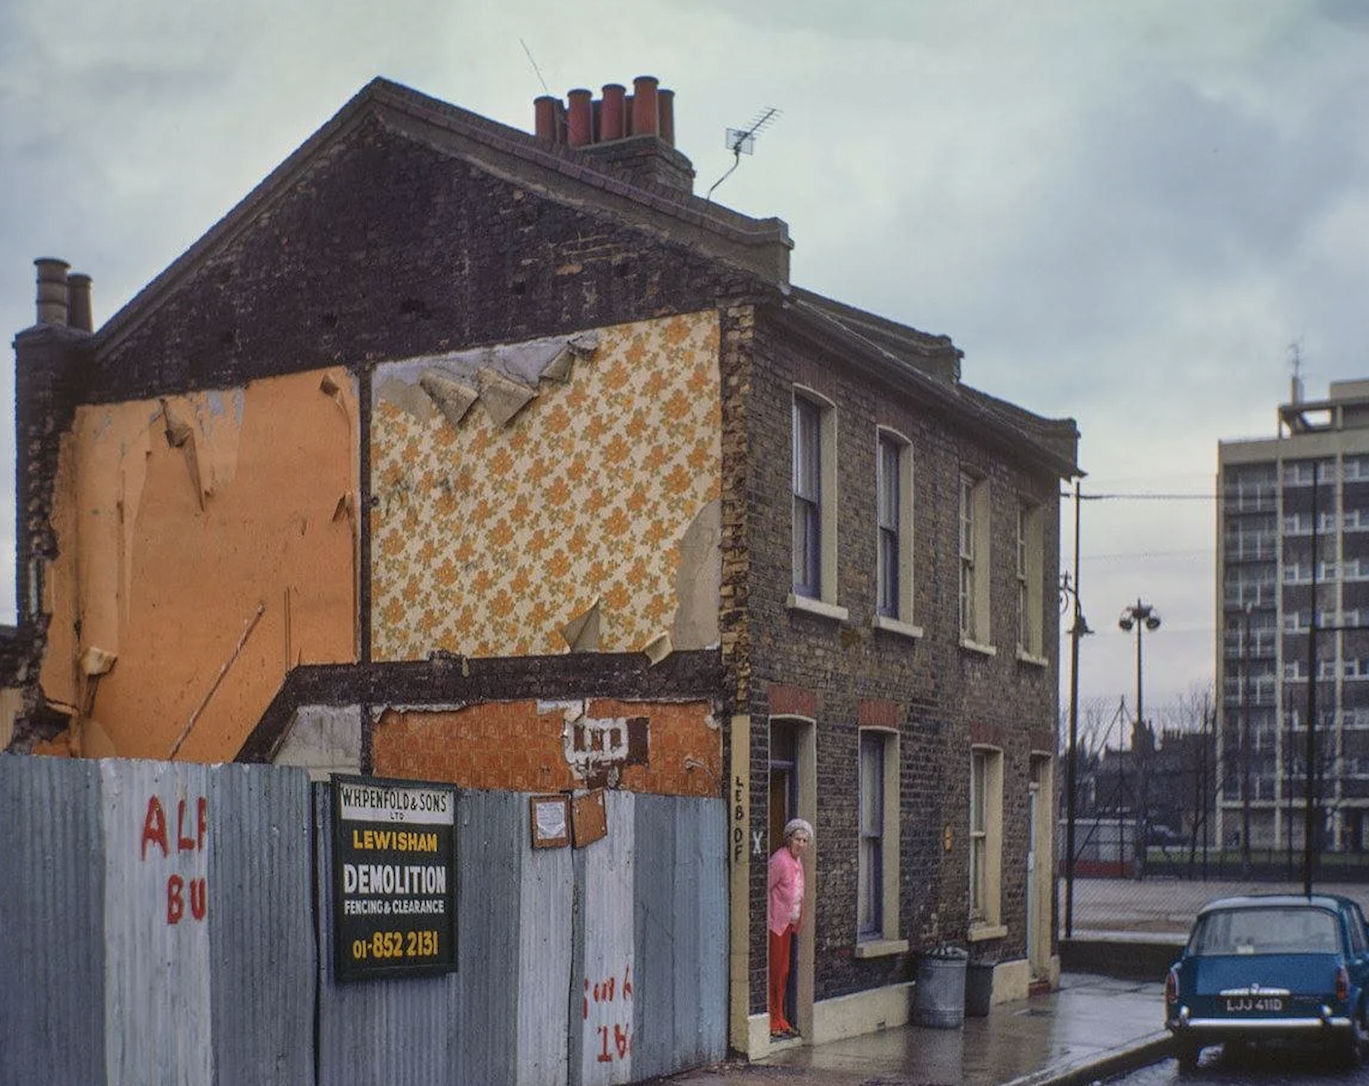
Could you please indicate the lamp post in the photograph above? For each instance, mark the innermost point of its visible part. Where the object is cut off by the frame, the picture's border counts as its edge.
(1078, 628)
(1141, 616)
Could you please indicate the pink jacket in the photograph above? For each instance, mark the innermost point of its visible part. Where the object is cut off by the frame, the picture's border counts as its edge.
(786, 890)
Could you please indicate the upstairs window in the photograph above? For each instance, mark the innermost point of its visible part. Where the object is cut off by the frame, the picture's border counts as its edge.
(974, 561)
(815, 507)
(894, 520)
(808, 524)
(1030, 618)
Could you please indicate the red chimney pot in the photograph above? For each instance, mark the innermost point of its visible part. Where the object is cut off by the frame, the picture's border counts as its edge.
(544, 110)
(666, 101)
(611, 119)
(644, 116)
(580, 118)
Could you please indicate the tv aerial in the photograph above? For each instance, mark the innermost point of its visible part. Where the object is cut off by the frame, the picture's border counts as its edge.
(742, 141)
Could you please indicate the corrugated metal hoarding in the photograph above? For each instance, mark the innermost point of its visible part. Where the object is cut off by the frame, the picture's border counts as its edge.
(52, 920)
(166, 907)
(177, 921)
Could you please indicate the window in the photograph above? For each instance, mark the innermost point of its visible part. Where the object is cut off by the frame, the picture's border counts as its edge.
(877, 860)
(807, 498)
(974, 561)
(894, 517)
(1029, 577)
(815, 507)
(870, 896)
(986, 828)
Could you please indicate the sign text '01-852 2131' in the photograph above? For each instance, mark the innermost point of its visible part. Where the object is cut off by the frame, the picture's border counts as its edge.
(394, 862)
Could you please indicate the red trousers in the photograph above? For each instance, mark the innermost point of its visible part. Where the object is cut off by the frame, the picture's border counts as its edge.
(779, 978)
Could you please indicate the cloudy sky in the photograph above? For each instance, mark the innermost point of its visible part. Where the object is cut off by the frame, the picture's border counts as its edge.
(1122, 213)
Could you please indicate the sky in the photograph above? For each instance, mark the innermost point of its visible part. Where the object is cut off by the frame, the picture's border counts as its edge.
(1126, 214)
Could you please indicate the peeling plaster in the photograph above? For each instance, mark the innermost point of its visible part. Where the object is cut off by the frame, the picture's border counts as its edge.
(502, 396)
(502, 376)
(158, 571)
(698, 581)
(582, 632)
(452, 398)
(323, 739)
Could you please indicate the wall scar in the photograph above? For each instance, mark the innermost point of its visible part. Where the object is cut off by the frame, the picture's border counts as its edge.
(246, 633)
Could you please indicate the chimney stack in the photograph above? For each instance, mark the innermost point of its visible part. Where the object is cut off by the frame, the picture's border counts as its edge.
(52, 290)
(78, 302)
(633, 135)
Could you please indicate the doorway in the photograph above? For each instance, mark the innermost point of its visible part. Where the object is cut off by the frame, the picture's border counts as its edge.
(792, 780)
(1040, 802)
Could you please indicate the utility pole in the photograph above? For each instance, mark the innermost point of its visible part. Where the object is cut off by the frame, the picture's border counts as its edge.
(1078, 627)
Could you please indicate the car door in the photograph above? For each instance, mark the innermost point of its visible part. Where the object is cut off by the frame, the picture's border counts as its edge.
(1358, 965)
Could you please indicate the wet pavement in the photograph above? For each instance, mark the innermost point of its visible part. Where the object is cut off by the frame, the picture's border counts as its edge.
(1091, 1026)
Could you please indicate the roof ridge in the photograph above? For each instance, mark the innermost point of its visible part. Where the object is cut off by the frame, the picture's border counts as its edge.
(382, 93)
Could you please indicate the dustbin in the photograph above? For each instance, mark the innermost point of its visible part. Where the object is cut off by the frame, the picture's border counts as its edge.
(939, 997)
(978, 988)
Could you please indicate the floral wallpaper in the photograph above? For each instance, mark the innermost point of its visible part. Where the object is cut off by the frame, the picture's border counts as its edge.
(488, 540)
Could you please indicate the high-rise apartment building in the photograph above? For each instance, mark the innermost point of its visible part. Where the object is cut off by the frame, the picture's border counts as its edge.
(1293, 625)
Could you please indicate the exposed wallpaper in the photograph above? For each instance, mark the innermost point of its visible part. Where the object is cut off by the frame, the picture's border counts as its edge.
(491, 539)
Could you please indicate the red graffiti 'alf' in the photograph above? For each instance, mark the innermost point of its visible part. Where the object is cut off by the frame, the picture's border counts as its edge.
(154, 827)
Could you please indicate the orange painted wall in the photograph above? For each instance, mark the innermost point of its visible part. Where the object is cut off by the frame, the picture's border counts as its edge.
(169, 551)
(519, 745)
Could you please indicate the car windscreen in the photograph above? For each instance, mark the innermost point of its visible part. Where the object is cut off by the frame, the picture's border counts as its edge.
(1292, 929)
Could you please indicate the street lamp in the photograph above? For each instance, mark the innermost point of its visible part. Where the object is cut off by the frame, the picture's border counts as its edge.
(1141, 616)
(1078, 628)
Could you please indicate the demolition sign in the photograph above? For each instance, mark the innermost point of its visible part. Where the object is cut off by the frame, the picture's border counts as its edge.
(394, 876)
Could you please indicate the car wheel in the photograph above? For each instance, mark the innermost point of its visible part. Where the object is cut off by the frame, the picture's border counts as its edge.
(1356, 1044)
(1186, 1052)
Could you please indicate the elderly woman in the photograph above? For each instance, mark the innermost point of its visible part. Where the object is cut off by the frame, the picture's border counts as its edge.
(785, 915)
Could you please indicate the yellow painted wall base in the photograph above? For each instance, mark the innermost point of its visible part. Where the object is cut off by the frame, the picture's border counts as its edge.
(845, 1016)
(883, 1008)
(1011, 981)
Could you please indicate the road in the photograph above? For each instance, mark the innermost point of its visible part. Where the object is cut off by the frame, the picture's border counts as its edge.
(1263, 1066)
(1167, 906)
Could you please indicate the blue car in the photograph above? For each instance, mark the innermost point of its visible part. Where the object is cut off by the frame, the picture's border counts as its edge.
(1272, 967)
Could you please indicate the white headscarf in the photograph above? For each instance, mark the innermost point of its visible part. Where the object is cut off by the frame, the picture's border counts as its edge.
(797, 825)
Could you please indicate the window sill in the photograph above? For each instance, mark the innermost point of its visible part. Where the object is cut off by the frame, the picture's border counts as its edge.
(975, 646)
(894, 626)
(880, 948)
(979, 932)
(817, 607)
(1025, 657)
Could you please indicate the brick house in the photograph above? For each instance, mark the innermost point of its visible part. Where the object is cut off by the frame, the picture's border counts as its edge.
(460, 453)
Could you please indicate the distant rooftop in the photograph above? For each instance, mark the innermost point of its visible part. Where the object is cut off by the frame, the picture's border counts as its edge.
(1346, 407)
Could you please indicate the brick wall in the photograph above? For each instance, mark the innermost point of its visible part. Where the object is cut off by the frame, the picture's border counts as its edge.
(522, 745)
(931, 689)
(385, 248)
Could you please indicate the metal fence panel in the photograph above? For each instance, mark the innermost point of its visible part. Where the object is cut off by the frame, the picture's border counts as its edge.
(451, 1029)
(702, 828)
(545, 919)
(601, 1049)
(492, 834)
(681, 933)
(156, 870)
(52, 915)
(261, 936)
(655, 924)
